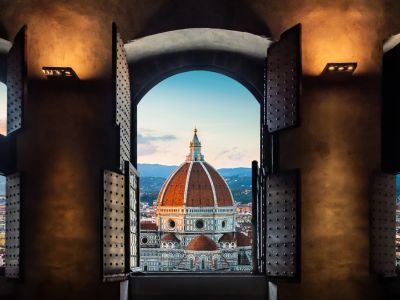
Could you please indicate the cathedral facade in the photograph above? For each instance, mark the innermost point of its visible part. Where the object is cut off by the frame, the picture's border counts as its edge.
(195, 225)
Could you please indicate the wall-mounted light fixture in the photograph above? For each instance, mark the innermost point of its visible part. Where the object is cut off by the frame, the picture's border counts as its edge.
(339, 68)
(59, 72)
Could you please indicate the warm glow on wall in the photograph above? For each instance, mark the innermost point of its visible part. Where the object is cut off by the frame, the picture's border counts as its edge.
(332, 31)
(67, 37)
(332, 34)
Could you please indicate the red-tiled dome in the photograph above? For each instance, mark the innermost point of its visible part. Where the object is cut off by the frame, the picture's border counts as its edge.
(195, 183)
(202, 243)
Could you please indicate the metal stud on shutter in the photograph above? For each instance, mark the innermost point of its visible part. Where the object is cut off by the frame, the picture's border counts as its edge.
(12, 257)
(282, 234)
(123, 97)
(132, 206)
(114, 227)
(383, 225)
(282, 87)
(15, 82)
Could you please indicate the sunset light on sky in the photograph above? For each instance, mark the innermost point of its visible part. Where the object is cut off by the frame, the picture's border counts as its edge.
(225, 113)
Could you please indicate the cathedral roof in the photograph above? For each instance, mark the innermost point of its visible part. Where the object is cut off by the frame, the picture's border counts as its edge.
(202, 243)
(195, 183)
(241, 239)
(170, 237)
(146, 225)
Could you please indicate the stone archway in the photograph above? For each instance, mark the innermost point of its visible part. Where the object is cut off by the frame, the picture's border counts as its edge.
(151, 59)
(239, 55)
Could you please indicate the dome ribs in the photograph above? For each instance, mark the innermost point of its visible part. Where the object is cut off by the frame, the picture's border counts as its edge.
(224, 197)
(199, 192)
(175, 190)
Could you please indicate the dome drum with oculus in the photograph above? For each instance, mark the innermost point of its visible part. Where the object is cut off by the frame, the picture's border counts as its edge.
(171, 224)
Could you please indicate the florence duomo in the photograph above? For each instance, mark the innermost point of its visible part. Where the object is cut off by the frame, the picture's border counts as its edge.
(195, 228)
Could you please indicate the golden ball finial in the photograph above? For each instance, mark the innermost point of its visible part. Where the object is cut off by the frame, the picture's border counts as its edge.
(195, 129)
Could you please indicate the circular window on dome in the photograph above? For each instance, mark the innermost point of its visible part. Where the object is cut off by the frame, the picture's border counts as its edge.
(144, 240)
(199, 224)
(223, 224)
(171, 224)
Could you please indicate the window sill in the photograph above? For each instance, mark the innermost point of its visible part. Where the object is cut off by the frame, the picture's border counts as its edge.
(199, 284)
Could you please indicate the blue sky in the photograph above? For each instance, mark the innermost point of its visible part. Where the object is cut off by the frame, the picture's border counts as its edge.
(225, 113)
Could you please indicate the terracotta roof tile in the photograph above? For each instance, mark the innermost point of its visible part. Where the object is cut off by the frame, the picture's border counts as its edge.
(148, 226)
(170, 237)
(241, 239)
(199, 188)
(202, 243)
(224, 197)
(175, 189)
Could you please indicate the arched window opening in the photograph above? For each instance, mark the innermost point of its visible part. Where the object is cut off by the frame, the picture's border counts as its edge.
(197, 135)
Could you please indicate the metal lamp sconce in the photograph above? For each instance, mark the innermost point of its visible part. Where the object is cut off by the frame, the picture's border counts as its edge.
(59, 73)
(339, 70)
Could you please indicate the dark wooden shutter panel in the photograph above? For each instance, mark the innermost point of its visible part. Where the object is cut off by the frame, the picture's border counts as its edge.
(383, 225)
(16, 81)
(114, 268)
(132, 216)
(391, 111)
(283, 224)
(122, 97)
(13, 206)
(283, 73)
(16, 66)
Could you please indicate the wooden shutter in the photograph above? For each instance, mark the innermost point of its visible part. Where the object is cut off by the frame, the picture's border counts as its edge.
(278, 215)
(383, 225)
(13, 206)
(283, 224)
(283, 72)
(132, 217)
(16, 81)
(122, 97)
(391, 111)
(114, 268)
(121, 194)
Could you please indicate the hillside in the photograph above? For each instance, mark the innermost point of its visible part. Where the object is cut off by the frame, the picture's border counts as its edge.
(156, 170)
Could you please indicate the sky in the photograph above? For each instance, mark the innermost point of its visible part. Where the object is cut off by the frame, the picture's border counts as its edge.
(225, 113)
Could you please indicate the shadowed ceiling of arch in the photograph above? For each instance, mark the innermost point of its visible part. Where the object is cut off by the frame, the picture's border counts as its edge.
(226, 14)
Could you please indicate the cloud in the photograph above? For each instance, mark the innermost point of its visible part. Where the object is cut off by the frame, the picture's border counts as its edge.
(233, 154)
(147, 142)
(147, 139)
(3, 125)
(146, 149)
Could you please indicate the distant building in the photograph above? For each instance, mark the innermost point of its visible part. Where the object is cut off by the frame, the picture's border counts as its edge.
(195, 227)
